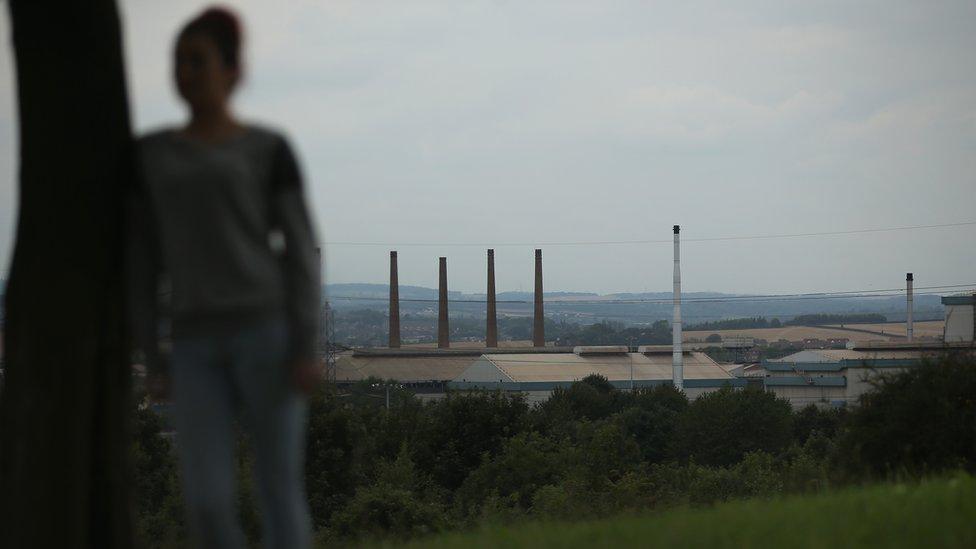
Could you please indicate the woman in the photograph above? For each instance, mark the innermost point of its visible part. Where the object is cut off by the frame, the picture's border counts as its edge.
(221, 215)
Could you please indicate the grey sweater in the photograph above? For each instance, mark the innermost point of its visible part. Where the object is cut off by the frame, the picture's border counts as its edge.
(226, 223)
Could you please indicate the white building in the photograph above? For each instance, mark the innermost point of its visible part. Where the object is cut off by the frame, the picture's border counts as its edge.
(960, 318)
(837, 377)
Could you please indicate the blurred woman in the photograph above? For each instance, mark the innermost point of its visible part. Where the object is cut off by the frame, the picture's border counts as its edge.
(221, 216)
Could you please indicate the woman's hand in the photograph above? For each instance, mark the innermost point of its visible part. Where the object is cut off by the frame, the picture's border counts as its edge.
(306, 375)
(158, 385)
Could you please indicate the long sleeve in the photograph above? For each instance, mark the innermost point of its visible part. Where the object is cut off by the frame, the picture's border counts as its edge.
(300, 259)
(143, 268)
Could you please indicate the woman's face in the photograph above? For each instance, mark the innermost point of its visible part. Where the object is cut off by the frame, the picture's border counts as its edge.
(202, 78)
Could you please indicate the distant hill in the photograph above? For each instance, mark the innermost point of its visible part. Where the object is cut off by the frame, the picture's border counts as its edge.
(585, 307)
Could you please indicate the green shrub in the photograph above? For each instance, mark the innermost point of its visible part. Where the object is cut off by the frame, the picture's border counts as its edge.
(460, 428)
(721, 427)
(918, 421)
(158, 498)
(510, 479)
(400, 503)
(591, 398)
(571, 499)
(814, 419)
(651, 418)
(337, 453)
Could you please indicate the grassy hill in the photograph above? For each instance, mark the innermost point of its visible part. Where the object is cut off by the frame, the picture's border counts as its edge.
(936, 513)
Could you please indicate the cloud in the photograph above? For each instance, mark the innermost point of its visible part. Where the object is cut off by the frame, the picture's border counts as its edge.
(492, 120)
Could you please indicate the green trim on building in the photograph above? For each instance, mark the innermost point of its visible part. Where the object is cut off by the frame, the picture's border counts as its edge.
(800, 381)
(841, 365)
(803, 366)
(959, 299)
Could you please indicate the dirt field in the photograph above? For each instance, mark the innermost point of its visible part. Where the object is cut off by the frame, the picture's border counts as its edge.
(854, 332)
(857, 332)
(931, 328)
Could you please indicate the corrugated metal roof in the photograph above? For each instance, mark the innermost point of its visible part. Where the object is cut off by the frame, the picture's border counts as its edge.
(403, 369)
(570, 367)
(837, 355)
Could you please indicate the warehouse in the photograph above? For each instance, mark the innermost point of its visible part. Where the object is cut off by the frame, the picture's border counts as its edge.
(425, 372)
(838, 377)
(537, 375)
(960, 318)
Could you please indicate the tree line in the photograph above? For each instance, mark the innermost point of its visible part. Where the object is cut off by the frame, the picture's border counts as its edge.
(368, 328)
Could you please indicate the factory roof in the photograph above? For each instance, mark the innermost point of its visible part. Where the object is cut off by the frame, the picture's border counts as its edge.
(402, 368)
(837, 355)
(839, 359)
(568, 367)
(962, 298)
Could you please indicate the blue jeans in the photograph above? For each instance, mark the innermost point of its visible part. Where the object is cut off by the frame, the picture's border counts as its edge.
(214, 376)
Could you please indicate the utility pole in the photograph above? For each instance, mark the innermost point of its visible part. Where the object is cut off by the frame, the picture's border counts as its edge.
(631, 355)
(328, 323)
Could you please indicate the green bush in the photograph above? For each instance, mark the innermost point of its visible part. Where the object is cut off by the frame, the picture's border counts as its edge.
(460, 428)
(525, 463)
(721, 427)
(591, 398)
(399, 503)
(338, 448)
(918, 421)
(651, 418)
(158, 498)
(814, 419)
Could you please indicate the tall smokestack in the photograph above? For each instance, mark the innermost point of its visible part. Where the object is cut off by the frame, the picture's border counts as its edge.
(394, 303)
(910, 281)
(539, 326)
(677, 360)
(491, 330)
(443, 331)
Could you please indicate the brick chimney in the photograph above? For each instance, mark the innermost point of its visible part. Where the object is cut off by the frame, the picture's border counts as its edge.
(491, 329)
(443, 330)
(394, 303)
(539, 326)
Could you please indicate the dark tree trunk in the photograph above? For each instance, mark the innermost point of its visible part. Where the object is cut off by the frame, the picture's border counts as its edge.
(64, 468)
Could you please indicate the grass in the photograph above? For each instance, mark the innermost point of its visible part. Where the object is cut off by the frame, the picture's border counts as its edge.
(936, 513)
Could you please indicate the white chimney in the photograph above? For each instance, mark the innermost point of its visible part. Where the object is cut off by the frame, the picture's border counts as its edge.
(909, 280)
(677, 362)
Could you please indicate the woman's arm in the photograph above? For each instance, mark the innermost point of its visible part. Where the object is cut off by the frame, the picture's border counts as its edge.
(300, 258)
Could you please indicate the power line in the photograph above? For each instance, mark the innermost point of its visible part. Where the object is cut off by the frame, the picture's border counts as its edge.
(856, 294)
(642, 241)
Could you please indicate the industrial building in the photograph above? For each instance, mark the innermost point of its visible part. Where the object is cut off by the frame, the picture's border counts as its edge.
(960, 318)
(536, 372)
(838, 377)
(426, 372)
(430, 373)
(537, 375)
(829, 376)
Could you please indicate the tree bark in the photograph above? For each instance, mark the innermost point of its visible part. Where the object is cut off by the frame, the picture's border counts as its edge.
(64, 468)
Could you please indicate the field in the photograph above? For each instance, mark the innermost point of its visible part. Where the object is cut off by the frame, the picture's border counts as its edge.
(932, 514)
(855, 332)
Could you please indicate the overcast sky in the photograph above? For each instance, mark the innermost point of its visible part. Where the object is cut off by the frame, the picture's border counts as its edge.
(521, 122)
